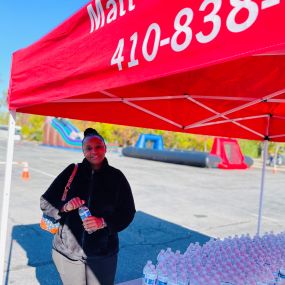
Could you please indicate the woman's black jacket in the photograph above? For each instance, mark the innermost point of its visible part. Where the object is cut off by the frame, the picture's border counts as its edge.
(107, 194)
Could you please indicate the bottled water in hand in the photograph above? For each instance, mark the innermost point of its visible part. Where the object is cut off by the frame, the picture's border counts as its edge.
(84, 213)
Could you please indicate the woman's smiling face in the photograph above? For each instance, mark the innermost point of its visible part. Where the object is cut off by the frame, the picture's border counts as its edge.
(94, 150)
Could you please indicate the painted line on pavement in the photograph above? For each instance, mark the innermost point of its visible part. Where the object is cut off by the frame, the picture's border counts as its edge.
(43, 172)
(266, 218)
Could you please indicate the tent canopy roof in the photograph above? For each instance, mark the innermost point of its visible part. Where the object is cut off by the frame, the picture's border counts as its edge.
(206, 68)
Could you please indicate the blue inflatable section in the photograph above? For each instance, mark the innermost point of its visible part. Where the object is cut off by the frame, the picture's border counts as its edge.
(155, 140)
(151, 147)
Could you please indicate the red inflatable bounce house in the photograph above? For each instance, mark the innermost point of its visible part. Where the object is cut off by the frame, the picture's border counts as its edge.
(230, 153)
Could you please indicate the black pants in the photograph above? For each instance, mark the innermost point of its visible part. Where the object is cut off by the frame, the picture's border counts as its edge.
(96, 271)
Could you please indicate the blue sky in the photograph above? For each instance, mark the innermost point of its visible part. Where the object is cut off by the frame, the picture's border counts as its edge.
(24, 22)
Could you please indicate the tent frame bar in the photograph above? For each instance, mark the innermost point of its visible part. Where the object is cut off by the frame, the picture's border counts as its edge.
(144, 110)
(241, 107)
(6, 192)
(223, 116)
(235, 120)
(169, 97)
(192, 98)
(265, 151)
(261, 193)
(277, 136)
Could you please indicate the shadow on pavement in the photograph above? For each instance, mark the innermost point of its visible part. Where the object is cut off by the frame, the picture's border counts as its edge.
(141, 241)
(37, 245)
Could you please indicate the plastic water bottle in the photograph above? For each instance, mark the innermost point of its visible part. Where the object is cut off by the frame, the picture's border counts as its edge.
(162, 278)
(146, 269)
(281, 277)
(161, 256)
(151, 276)
(84, 213)
(172, 279)
(182, 279)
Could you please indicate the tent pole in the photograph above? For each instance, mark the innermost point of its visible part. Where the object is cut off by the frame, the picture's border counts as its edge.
(265, 151)
(6, 192)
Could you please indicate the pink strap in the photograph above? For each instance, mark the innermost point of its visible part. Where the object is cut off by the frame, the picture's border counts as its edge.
(67, 187)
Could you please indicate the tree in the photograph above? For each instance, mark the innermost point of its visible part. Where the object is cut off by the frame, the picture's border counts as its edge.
(32, 126)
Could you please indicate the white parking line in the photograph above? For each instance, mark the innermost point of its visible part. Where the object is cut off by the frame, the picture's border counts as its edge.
(43, 172)
(266, 218)
(46, 159)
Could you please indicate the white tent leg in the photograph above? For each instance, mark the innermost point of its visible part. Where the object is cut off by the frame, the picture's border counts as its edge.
(6, 193)
(265, 151)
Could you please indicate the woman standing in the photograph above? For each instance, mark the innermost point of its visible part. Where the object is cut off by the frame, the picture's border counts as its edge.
(86, 252)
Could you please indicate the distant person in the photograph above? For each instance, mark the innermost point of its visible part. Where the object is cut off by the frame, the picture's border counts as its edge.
(271, 159)
(86, 252)
(279, 159)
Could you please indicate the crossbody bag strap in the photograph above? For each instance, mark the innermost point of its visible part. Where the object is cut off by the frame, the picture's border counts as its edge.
(67, 187)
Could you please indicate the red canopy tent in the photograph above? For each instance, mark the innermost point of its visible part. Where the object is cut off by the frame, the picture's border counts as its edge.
(207, 67)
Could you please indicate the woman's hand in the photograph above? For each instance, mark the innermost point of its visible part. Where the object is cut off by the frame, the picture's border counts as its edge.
(92, 224)
(73, 204)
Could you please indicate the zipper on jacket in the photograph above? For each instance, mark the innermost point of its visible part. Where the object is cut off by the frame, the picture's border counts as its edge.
(88, 206)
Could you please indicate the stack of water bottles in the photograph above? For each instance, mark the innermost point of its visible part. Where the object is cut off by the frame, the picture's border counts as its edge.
(244, 260)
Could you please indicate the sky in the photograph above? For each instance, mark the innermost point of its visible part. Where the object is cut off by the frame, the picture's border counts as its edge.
(24, 22)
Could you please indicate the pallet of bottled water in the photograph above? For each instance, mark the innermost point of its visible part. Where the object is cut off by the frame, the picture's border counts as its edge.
(244, 260)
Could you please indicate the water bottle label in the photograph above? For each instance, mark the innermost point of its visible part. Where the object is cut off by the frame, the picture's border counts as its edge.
(276, 275)
(281, 274)
(159, 282)
(149, 281)
(84, 213)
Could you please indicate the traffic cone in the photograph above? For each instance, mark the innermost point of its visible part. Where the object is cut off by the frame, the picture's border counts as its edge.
(25, 172)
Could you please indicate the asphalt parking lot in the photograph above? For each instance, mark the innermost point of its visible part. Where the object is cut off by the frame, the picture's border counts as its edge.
(175, 204)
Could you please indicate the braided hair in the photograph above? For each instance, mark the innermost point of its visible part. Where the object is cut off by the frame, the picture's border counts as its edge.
(90, 132)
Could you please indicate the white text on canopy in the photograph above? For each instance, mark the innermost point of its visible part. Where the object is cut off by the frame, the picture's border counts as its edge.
(182, 27)
(112, 9)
